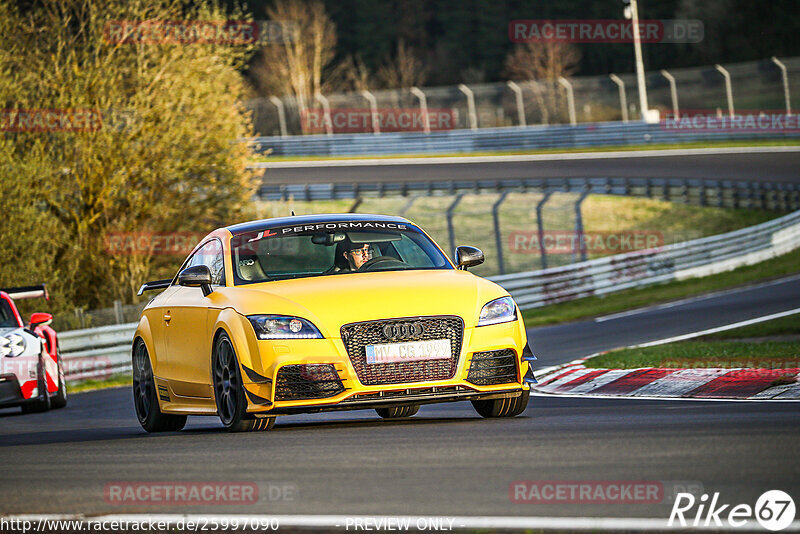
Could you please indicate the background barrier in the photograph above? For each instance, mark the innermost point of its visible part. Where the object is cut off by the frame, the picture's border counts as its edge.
(583, 135)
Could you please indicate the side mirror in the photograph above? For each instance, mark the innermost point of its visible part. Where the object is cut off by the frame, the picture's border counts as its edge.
(468, 257)
(40, 319)
(197, 276)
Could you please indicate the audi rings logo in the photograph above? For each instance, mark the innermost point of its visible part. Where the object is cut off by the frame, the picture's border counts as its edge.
(398, 331)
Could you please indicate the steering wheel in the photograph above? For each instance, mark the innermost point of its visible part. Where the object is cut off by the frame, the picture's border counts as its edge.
(378, 260)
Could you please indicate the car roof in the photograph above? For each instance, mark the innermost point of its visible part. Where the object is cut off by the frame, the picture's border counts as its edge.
(263, 224)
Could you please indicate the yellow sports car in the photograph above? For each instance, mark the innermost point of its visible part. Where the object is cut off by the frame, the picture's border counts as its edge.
(325, 312)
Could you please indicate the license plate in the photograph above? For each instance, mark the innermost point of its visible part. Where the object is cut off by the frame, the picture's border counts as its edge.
(410, 351)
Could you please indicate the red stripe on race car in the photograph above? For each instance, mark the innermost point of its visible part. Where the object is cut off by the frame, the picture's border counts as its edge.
(633, 381)
(582, 379)
(52, 387)
(741, 383)
(27, 389)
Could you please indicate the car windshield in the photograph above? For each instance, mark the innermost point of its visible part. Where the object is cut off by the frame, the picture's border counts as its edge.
(332, 248)
(7, 318)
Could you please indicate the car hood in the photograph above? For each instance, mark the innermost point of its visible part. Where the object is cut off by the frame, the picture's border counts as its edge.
(30, 342)
(8, 329)
(332, 301)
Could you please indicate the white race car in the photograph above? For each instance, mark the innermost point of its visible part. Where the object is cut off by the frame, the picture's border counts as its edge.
(31, 373)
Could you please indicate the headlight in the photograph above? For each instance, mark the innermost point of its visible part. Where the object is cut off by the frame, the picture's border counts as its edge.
(283, 327)
(12, 345)
(502, 310)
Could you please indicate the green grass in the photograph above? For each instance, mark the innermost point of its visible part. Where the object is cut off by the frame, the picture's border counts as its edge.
(91, 385)
(785, 326)
(635, 298)
(719, 350)
(700, 354)
(615, 148)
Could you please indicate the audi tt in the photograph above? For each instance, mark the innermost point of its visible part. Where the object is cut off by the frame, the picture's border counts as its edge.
(326, 312)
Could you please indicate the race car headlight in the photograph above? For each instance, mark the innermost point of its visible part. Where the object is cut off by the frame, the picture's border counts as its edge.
(283, 327)
(502, 310)
(12, 345)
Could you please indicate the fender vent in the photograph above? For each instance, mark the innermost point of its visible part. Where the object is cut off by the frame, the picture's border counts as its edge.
(493, 367)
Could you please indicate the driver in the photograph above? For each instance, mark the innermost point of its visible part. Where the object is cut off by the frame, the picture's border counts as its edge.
(357, 254)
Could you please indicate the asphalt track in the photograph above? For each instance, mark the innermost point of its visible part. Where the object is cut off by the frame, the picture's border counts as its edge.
(760, 164)
(444, 461)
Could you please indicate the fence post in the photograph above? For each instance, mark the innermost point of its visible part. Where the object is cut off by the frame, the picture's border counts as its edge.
(673, 92)
(728, 89)
(570, 99)
(450, 231)
(497, 237)
(281, 114)
(623, 101)
(473, 118)
(785, 77)
(407, 207)
(423, 108)
(579, 227)
(520, 104)
(118, 312)
(326, 112)
(355, 205)
(373, 111)
(540, 227)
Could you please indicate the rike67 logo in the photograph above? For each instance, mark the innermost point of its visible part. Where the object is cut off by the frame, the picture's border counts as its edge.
(774, 510)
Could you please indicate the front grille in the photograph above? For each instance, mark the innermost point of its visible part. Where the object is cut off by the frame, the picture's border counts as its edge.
(493, 367)
(307, 381)
(357, 336)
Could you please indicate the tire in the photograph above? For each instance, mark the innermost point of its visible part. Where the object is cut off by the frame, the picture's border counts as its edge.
(59, 400)
(229, 392)
(509, 407)
(396, 412)
(42, 402)
(145, 401)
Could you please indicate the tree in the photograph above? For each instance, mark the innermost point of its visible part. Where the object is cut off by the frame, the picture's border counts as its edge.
(405, 69)
(544, 63)
(161, 155)
(298, 65)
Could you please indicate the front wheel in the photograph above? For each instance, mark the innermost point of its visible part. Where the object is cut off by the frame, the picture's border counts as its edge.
(144, 396)
(42, 401)
(59, 400)
(229, 391)
(508, 407)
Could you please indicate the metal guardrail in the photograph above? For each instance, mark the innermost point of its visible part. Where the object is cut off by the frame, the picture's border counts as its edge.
(700, 257)
(101, 352)
(96, 353)
(501, 139)
(722, 193)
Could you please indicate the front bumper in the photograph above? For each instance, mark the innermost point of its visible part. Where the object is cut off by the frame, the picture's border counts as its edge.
(11, 394)
(261, 374)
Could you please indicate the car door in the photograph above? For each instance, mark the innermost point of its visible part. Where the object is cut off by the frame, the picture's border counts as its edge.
(187, 330)
(155, 312)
